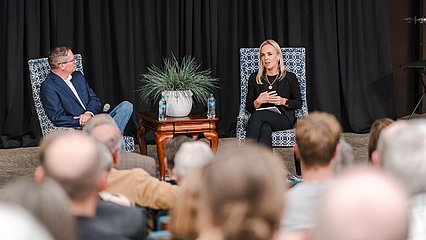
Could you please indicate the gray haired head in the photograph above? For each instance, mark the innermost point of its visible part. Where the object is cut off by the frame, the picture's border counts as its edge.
(191, 155)
(405, 155)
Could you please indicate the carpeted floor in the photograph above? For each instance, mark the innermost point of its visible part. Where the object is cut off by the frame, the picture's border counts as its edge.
(19, 162)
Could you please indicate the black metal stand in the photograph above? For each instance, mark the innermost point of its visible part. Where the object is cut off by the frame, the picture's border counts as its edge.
(421, 67)
(297, 165)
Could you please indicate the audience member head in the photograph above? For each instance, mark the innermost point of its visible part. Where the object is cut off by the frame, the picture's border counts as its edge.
(242, 195)
(363, 204)
(47, 202)
(344, 158)
(172, 147)
(191, 155)
(104, 129)
(73, 160)
(405, 156)
(184, 215)
(98, 119)
(386, 136)
(18, 224)
(317, 138)
(376, 129)
(106, 158)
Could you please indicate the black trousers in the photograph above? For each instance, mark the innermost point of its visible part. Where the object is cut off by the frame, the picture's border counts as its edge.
(262, 123)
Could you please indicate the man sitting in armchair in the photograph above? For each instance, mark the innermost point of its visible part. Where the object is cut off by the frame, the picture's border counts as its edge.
(67, 98)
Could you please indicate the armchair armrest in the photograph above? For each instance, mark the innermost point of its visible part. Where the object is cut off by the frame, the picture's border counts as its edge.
(242, 120)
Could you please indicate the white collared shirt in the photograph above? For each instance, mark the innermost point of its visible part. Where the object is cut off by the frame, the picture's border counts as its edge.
(71, 86)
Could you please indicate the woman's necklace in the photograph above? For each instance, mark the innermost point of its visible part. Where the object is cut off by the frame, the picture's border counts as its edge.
(270, 84)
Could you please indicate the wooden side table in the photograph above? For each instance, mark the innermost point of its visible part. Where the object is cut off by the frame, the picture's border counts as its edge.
(166, 129)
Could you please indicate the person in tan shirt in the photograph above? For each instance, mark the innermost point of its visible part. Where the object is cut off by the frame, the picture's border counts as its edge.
(145, 190)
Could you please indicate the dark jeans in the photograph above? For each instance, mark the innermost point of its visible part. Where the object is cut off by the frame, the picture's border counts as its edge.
(262, 123)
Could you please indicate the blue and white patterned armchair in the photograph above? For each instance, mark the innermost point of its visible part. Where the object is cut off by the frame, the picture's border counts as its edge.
(294, 60)
(39, 69)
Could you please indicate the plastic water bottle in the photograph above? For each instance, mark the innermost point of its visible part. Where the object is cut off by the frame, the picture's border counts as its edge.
(211, 107)
(162, 107)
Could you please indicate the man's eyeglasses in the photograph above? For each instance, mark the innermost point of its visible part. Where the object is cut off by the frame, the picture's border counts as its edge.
(72, 60)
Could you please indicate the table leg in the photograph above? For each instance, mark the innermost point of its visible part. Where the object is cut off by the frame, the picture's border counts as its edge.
(212, 136)
(160, 139)
(141, 139)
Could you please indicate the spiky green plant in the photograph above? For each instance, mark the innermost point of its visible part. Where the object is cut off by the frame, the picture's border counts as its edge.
(173, 76)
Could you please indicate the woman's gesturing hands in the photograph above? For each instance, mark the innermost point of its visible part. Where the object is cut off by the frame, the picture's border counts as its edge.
(270, 97)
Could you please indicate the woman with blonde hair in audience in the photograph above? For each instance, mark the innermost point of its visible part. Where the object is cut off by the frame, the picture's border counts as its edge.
(184, 215)
(242, 195)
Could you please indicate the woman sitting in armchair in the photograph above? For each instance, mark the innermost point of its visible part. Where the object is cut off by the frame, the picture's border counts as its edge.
(273, 95)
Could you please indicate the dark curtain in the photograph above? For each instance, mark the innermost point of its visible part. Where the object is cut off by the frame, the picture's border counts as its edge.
(349, 59)
(348, 53)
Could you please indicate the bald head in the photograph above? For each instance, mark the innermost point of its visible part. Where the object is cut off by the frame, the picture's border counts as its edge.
(98, 119)
(73, 160)
(191, 155)
(363, 204)
(109, 135)
(386, 136)
(70, 154)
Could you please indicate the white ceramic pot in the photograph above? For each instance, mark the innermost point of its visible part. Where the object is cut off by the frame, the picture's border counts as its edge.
(179, 103)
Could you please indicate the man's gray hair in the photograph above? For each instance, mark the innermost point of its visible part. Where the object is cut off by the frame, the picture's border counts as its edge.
(387, 136)
(405, 155)
(97, 120)
(344, 158)
(114, 141)
(105, 157)
(191, 155)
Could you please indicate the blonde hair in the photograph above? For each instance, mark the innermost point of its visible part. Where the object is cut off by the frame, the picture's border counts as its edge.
(282, 69)
(184, 214)
(243, 193)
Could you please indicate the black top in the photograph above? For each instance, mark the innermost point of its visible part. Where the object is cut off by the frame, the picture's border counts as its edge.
(129, 223)
(288, 87)
(114, 222)
(90, 229)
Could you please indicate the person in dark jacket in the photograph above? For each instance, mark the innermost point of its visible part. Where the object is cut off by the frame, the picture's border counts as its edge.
(273, 95)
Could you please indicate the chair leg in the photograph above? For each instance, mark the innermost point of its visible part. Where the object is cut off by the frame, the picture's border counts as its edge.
(297, 165)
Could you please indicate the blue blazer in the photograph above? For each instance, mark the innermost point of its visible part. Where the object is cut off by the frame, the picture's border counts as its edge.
(60, 103)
